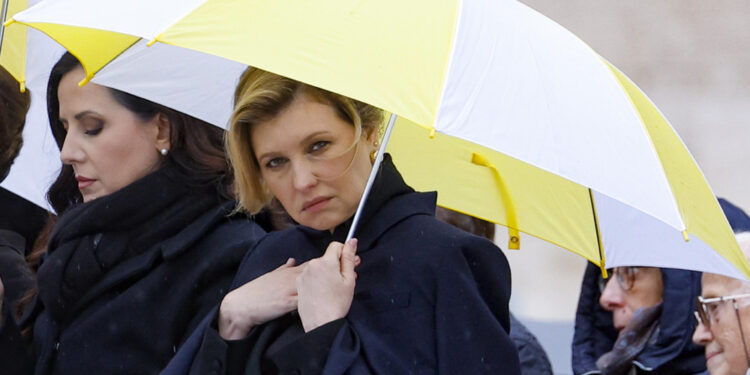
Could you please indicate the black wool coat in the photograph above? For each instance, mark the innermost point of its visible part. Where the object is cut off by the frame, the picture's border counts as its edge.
(429, 299)
(136, 315)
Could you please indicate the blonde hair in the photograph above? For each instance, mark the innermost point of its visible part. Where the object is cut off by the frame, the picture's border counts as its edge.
(259, 97)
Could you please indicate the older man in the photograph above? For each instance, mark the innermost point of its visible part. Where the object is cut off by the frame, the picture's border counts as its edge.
(724, 320)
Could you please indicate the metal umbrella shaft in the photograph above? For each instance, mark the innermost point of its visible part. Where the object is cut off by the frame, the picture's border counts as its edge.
(2, 22)
(373, 174)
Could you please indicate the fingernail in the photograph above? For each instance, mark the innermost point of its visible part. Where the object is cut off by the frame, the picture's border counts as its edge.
(353, 242)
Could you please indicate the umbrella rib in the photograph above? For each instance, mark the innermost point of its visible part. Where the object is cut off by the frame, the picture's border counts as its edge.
(598, 234)
(88, 77)
(6, 5)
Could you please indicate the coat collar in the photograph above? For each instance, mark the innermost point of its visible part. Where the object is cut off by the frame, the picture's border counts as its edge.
(390, 201)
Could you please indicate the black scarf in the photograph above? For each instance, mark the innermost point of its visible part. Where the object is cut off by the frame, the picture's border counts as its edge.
(631, 341)
(92, 238)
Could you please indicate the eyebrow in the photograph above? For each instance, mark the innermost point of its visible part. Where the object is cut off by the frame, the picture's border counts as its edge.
(85, 113)
(304, 140)
(81, 115)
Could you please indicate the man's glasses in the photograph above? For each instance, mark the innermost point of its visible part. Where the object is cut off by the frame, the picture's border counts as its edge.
(625, 277)
(707, 307)
(708, 310)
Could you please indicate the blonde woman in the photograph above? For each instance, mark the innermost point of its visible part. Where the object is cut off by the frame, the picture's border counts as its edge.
(410, 295)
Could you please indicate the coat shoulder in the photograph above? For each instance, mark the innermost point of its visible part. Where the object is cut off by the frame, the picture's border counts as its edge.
(426, 235)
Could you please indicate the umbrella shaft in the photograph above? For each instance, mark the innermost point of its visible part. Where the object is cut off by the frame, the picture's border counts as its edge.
(373, 174)
(2, 22)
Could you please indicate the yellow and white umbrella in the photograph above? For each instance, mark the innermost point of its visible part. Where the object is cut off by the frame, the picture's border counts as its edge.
(548, 129)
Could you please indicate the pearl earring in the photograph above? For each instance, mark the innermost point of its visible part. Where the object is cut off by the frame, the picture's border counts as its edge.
(164, 152)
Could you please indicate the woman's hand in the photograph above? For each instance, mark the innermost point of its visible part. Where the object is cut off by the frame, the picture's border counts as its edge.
(326, 286)
(261, 300)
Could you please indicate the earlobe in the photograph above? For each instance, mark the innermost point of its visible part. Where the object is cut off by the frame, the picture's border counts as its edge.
(163, 133)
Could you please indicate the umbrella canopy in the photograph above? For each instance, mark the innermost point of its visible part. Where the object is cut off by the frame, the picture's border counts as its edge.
(519, 89)
(29, 55)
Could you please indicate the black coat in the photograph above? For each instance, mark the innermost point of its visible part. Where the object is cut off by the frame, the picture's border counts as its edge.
(134, 316)
(533, 358)
(14, 272)
(429, 298)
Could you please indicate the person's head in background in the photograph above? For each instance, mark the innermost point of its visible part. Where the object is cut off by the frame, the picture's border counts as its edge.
(13, 107)
(468, 223)
(629, 289)
(723, 312)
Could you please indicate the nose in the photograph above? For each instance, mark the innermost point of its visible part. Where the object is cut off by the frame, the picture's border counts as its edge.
(303, 176)
(702, 335)
(611, 296)
(71, 152)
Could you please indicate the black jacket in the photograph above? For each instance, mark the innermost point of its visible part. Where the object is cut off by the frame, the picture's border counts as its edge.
(136, 313)
(669, 351)
(14, 272)
(533, 358)
(20, 224)
(429, 298)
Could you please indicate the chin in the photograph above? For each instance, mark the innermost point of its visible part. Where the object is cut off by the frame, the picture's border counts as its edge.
(320, 222)
(719, 366)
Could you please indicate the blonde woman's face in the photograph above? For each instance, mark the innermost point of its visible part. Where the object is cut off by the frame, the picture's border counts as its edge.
(307, 161)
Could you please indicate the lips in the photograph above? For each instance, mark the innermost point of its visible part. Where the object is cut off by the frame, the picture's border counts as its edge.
(711, 355)
(84, 182)
(315, 204)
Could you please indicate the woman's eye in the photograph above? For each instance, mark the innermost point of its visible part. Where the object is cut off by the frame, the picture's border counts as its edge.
(319, 146)
(93, 131)
(93, 127)
(275, 163)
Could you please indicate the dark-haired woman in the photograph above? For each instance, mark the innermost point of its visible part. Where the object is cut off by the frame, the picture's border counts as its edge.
(144, 245)
(411, 295)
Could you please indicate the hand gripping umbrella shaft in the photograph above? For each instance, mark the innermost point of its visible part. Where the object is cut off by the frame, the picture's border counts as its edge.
(373, 174)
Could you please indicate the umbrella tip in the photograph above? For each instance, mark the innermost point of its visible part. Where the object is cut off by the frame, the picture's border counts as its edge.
(22, 86)
(685, 236)
(9, 22)
(432, 133)
(85, 81)
(152, 41)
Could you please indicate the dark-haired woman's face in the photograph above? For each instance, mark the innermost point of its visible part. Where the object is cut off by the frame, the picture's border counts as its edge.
(107, 145)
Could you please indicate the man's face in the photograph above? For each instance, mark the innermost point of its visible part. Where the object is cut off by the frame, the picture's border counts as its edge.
(725, 351)
(630, 289)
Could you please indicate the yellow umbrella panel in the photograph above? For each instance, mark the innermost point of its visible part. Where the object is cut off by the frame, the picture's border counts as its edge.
(13, 51)
(489, 185)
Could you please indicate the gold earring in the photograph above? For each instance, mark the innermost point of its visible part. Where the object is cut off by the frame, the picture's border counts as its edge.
(373, 155)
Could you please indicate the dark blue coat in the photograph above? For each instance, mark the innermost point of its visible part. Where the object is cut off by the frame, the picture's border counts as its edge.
(670, 351)
(429, 298)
